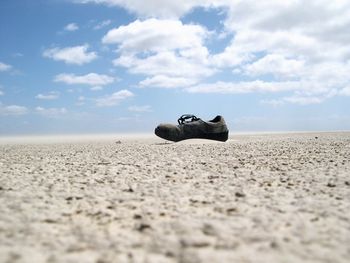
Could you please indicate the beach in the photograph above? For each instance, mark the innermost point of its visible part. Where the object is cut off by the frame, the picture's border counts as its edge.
(255, 198)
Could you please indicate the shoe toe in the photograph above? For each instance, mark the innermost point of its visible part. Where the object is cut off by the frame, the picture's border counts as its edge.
(160, 130)
(166, 131)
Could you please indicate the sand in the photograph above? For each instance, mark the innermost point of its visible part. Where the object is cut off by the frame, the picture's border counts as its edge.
(255, 198)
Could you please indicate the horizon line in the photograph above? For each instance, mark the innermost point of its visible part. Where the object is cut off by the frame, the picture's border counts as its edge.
(84, 137)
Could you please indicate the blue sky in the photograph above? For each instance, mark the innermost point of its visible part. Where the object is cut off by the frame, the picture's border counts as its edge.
(109, 66)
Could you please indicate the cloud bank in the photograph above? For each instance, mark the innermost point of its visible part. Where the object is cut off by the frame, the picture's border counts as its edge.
(275, 46)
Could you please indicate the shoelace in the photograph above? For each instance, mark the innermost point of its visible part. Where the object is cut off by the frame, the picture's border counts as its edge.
(186, 118)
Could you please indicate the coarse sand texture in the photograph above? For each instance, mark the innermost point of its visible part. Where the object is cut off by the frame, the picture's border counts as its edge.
(254, 198)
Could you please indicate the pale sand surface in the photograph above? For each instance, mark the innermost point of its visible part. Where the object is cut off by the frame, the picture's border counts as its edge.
(256, 198)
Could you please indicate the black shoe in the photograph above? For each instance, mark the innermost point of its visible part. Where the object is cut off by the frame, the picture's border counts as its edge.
(191, 127)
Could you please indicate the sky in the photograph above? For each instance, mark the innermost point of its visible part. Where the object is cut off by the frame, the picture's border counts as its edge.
(124, 66)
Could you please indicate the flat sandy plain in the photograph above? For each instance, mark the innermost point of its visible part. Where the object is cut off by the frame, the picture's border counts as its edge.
(254, 198)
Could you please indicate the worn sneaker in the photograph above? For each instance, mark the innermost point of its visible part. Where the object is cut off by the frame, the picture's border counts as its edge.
(191, 127)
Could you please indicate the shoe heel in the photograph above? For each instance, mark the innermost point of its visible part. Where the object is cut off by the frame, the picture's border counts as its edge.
(223, 136)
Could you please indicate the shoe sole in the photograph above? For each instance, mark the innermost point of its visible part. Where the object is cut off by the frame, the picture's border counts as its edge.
(222, 137)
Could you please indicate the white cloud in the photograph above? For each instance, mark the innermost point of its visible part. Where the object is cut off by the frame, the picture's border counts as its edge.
(248, 42)
(71, 27)
(302, 92)
(315, 30)
(153, 8)
(168, 51)
(305, 41)
(300, 47)
(114, 99)
(245, 87)
(102, 24)
(4, 67)
(49, 96)
(145, 108)
(78, 55)
(1, 93)
(273, 102)
(163, 81)
(96, 88)
(91, 79)
(14, 110)
(294, 100)
(304, 100)
(156, 35)
(164, 63)
(345, 91)
(277, 65)
(51, 112)
(286, 15)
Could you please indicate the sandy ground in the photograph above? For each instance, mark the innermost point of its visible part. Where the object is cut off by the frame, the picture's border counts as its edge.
(256, 198)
